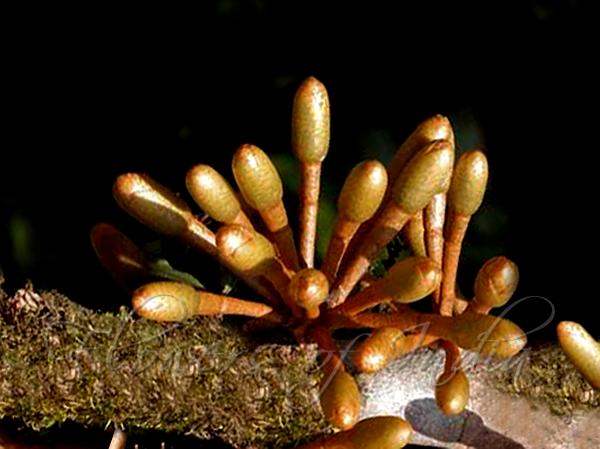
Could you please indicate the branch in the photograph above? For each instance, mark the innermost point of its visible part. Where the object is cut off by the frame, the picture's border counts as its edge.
(206, 378)
(202, 377)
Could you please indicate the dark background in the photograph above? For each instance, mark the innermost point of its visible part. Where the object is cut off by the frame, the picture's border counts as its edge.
(92, 94)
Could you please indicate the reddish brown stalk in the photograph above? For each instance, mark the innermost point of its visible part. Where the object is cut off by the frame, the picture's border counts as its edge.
(309, 211)
(452, 362)
(402, 320)
(389, 224)
(329, 351)
(433, 217)
(455, 233)
(343, 231)
(281, 234)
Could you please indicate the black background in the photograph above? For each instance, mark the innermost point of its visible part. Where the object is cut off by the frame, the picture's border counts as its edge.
(95, 93)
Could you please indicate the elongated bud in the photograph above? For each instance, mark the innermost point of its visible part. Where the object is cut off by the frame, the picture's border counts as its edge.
(452, 392)
(380, 432)
(464, 198)
(411, 279)
(434, 128)
(581, 349)
(310, 122)
(252, 257)
(308, 289)
(152, 204)
(468, 183)
(376, 351)
(128, 263)
(173, 301)
(363, 191)
(340, 399)
(386, 344)
(485, 334)
(425, 175)
(243, 248)
(407, 281)
(213, 193)
(496, 282)
(257, 177)
(165, 301)
(119, 255)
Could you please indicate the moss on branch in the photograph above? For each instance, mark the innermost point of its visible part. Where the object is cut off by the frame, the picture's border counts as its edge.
(204, 377)
(61, 361)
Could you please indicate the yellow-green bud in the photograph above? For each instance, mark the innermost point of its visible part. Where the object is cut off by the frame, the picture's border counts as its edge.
(257, 177)
(468, 183)
(426, 174)
(310, 122)
(363, 191)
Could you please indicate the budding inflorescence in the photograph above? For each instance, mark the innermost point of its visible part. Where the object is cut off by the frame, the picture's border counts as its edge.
(413, 194)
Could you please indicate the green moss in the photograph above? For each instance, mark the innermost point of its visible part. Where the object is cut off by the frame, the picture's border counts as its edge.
(547, 377)
(202, 377)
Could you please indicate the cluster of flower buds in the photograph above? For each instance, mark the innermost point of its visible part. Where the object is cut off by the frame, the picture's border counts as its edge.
(422, 193)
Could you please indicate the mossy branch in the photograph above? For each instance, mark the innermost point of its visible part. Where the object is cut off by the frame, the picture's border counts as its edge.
(61, 361)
